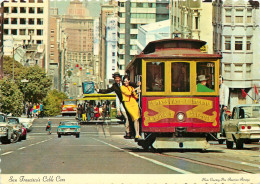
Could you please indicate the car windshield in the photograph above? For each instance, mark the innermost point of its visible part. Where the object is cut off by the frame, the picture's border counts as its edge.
(69, 123)
(72, 102)
(12, 121)
(249, 112)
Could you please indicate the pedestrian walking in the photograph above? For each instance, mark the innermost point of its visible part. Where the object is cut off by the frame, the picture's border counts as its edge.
(48, 126)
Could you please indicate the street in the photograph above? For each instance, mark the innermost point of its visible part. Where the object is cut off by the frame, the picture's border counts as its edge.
(101, 149)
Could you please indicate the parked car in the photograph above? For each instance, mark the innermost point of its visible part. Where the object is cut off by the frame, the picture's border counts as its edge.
(6, 129)
(68, 128)
(17, 128)
(27, 122)
(244, 125)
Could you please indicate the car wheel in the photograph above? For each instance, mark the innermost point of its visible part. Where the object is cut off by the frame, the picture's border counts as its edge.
(15, 137)
(239, 144)
(59, 136)
(229, 144)
(77, 135)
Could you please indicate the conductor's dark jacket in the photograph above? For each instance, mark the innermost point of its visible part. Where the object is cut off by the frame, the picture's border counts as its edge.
(116, 88)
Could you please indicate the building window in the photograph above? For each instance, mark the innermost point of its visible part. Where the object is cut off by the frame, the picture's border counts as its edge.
(121, 4)
(39, 32)
(121, 56)
(31, 32)
(228, 19)
(6, 9)
(113, 67)
(133, 36)
(22, 31)
(113, 61)
(6, 21)
(31, 1)
(227, 43)
(14, 10)
(248, 43)
(13, 20)
(22, 10)
(6, 31)
(121, 15)
(121, 36)
(22, 21)
(239, 19)
(52, 31)
(227, 67)
(134, 26)
(196, 22)
(39, 21)
(40, 10)
(39, 41)
(121, 46)
(113, 54)
(31, 10)
(14, 31)
(139, 5)
(238, 43)
(23, 1)
(31, 21)
(40, 1)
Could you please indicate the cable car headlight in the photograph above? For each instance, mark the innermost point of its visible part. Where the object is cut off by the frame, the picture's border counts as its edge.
(180, 116)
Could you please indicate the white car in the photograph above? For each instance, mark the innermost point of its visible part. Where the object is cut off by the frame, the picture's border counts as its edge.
(27, 122)
(243, 127)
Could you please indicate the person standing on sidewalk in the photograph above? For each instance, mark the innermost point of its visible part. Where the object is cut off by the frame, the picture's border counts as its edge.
(48, 126)
(223, 100)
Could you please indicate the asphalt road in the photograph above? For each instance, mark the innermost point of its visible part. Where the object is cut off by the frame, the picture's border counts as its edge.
(101, 149)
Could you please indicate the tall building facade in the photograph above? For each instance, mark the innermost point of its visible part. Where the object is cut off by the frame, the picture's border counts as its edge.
(193, 19)
(54, 62)
(77, 28)
(111, 48)
(26, 22)
(107, 10)
(236, 37)
(1, 38)
(131, 15)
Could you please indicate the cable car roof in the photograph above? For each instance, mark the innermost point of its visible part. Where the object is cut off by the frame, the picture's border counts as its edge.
(177, 48)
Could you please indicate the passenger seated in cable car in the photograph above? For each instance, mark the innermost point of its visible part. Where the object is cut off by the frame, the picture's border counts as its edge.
(201, 86)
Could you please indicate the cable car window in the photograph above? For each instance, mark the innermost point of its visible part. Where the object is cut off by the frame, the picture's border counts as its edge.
(155, 76)
(205, 77)
(180, 77)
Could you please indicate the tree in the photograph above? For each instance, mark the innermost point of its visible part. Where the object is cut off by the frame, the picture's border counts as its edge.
(52, 102)
(8, 68)
(38, 86)
(11, 100)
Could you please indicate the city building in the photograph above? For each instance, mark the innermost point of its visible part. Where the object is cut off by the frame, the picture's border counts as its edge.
(151, 32)
(54, 62)
(77, 30)
(111, 48)
(193, 19)
(236, 37)
(107, 9)
(131, 15)
(1, 38)
(26, 22)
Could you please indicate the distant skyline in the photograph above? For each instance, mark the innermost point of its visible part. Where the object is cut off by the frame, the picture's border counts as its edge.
(92, 6)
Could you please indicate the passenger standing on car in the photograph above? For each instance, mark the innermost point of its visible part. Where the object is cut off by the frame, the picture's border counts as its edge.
(119, 103)
(223, 100)
(83, 111)
(79, 110)
(48, 126)
(129, 98)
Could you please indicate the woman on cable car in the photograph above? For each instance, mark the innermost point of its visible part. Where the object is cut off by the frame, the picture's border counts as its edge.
(129, 98)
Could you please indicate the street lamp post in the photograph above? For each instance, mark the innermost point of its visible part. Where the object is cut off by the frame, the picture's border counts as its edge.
(25, 81)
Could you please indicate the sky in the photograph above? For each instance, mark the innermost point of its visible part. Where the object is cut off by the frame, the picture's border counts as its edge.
(92, 5)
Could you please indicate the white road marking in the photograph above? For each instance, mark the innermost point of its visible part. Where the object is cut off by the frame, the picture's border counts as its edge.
(243, 163)
(149, 159)
(21, 148)
(6, 153)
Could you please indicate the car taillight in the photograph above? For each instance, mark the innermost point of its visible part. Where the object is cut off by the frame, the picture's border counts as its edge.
(248, 127)
(243, 127)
